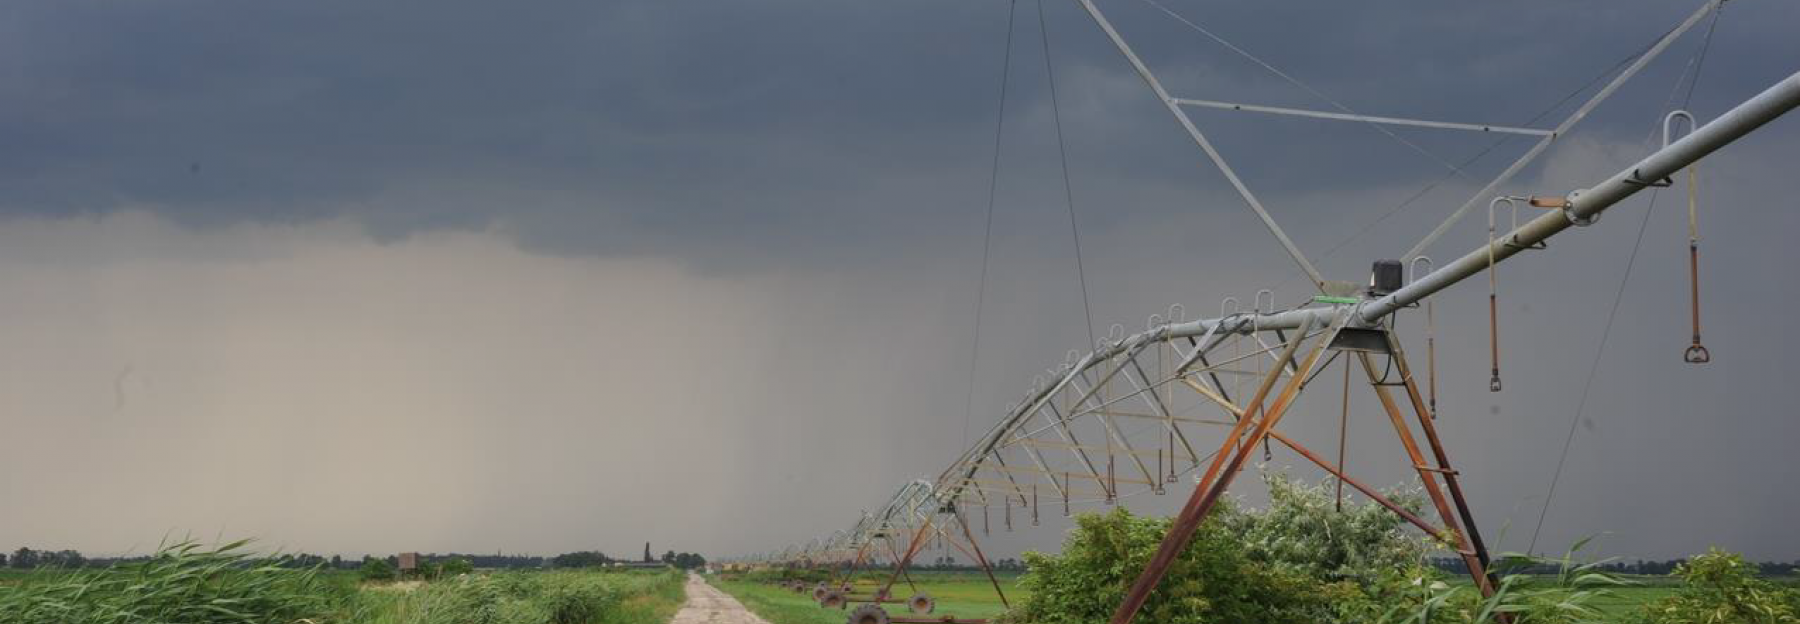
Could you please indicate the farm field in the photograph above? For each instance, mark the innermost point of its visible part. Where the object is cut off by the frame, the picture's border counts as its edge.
(215, 587)
(962, 594)
(969, 595)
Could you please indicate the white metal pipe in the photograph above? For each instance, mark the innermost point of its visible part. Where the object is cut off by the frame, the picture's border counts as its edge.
(1586, 204)
(1392, 121)
(1563, 128)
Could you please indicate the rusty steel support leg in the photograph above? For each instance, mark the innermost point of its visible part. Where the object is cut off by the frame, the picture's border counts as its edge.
(982, 559)
(912, 548)
(895, 553)
(1452, 478)
(849, 570)
(1428, 480)
(1207, 493)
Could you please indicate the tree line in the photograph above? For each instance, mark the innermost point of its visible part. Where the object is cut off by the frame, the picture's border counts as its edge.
(1639, 567)
(26, 558)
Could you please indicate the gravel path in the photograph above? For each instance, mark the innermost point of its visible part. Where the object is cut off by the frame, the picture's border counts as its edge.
(707, 605)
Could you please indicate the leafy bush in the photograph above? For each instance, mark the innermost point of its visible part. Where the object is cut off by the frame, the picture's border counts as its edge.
(376, 569)
(455, 566)
(1299, 560)
(1720, 587)
(1213, 580)
(1304, 532)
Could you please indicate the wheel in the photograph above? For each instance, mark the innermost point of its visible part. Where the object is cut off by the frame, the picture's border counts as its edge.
(921, 603)
(832, 600)
(820, 591)
(868, 614)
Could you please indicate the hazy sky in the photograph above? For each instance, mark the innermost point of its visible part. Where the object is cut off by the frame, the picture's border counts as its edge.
(369, 277)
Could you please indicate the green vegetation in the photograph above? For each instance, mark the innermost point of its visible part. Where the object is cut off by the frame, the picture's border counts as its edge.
(1720, 587)
(376, 569)
(963, 594)
(527, 598)
(183, 583)
(1299, 561)
(1302, 560)
(190, 584)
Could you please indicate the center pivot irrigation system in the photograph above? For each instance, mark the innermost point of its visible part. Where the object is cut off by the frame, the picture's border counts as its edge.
(1139, 412)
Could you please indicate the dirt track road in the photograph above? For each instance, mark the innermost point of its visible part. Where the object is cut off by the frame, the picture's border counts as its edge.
(707, 605)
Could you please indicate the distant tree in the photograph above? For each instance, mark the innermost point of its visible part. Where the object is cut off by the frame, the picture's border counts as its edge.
(647, 558)
(64, 559)
(374, 569)
(669, 557)
(337, 562)
(582, 559)
(689, 561)
(455, 566)
(2, 560)
(24, 558)
(300, 561)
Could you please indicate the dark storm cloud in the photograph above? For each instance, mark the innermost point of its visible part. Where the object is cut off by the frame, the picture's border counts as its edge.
(190, 189)
(719, 130)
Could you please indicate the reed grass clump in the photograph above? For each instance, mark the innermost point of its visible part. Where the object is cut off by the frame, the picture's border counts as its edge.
(187, 583)
(183, 583)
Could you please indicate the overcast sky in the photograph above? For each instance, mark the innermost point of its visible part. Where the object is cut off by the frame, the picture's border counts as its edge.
(450, 275)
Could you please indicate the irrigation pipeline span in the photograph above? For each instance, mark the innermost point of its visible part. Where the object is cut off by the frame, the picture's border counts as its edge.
(1127, 417)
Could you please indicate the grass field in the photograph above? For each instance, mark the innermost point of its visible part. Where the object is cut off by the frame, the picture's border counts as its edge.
(524, 597)
(970, 595)
(961, 594)
(193, 585)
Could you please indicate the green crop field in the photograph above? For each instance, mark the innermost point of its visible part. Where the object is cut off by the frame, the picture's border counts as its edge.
(970, 596)
(193, 585)
(962, 594)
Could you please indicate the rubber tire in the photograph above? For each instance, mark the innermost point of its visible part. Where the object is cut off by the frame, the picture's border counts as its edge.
(868, 614)
(921, 603)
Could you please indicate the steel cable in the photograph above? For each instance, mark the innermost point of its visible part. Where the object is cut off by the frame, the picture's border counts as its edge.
(1454, 169)
(1694, 67)
(987, 235)
(1068, 189)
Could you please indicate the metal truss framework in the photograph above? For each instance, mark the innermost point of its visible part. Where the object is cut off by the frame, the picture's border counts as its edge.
(1198, 398)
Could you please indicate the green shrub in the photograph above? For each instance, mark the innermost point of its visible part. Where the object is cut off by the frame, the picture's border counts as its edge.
(1213, 580)
(376, 569)
(1303, 531)
(1299, 560)
(1719, 588)
(455, 566)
